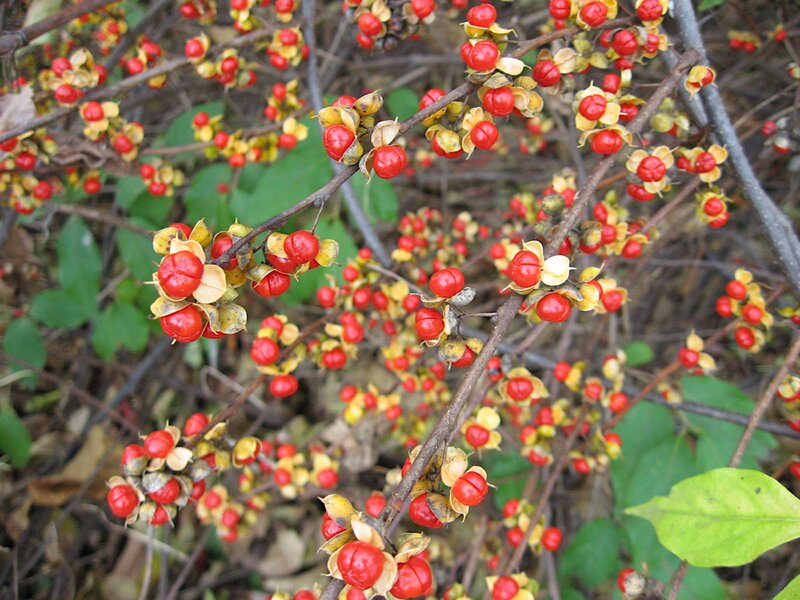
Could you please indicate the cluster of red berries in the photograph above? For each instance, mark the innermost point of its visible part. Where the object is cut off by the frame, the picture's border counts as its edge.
(382, 25)
(745, 301)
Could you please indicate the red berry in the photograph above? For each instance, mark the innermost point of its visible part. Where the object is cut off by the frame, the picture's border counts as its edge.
(167, 494)
(745, 337)
(637, 192)
(185, 325)
(625, 43)
(505, 588)
(551, 539)
(688, 358)
(414, 578)
(282, 386)
(484, 135)
(617, 402)
(122, 499)
(179, 274)
(194, 48)
(423, 8)
(447, 282)
(612, 300)
(369, 24)
(25, 161)
(499, 101)
(389, 161)
(301, 246)
(546, 73)
(336, 139)
(553, 307)
(273, 284)
(421, 514)
(622, 578)
(264, 351)
(43, 191)
(592, 107)
(195, 424)
(611, 83)
(477, 436)
(470, 489)
(525, 269)
(482, 15)
(560, 9)
(581, 465)
(594, 14)
(483, 56)
(429, 324)
(328, 478)
(606, 142)
(159, 444)
(374, 504)
(334, 359)
(123, 144)
(519, 388)
(736, 289)
(752, 314)
(360, 564)
(650, 10)
(651, 169)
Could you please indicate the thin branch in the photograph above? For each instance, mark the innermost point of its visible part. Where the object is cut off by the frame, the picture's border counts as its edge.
(128, 83)
(763, 402)
(775, 224)
(11, 41)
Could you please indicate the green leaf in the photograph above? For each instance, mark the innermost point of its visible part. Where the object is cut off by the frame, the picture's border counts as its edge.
(203, 201)
(508, 472)
(15, 441)
(402, 103)
(137, 252)
(638, 353)
(718, 439)
(79, 261)
(249, 176)
(128, 190)
(121, 324)
(287, 181)
(709, 4)
(593, 554)
(791, 591)
(723, 518)
(23, 340)
(151, 208)
(61, 309)
(378, 198)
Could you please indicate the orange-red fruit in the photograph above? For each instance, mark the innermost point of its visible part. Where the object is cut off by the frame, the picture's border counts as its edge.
(389, 161)
(301, 246)
(553, 307)
(551, 538)
(273, 284)
(264, 351)
(421, 513)
(470, 489)
(447, 282)
(484, 135)
(525, 269)
(414, 578)
(429, 324)
(185, 325)
(336, 139)
(330, 528)
(122, 500)
(283, 385)
(159, 444)
(505, 588)
(179, 274)
(360, 564)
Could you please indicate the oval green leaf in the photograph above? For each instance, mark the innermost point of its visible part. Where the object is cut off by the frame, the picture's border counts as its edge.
(723, 518)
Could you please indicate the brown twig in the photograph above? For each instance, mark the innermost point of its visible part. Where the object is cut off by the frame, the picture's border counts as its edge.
(11, 41)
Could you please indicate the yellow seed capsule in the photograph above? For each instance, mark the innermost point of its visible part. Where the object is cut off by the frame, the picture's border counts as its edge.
(163, 238)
